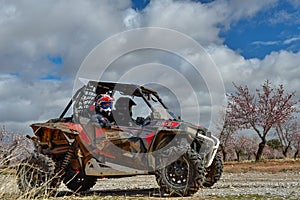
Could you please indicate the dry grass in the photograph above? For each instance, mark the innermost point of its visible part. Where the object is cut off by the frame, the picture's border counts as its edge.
(268, 166)
(8, 189)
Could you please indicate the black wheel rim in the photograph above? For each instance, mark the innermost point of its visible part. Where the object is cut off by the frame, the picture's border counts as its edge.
(177, 173)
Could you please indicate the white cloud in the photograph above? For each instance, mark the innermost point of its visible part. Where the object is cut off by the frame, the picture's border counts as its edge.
(265, 43)
(235, 10)
(33, 30)
(290, 40)
(270, 43)
(281, 67)
(203, 22)
(22, 103)
(281, 16)
(197, 20)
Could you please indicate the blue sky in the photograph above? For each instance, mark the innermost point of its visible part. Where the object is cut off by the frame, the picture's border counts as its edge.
(269, 30)
(57, 62)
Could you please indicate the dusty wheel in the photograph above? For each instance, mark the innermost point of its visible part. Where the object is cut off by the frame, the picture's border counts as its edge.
(78, 182)
(184, 176)
(36, 176)
(214, 172)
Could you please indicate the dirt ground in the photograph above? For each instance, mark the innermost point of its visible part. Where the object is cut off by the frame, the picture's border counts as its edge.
(268, 166)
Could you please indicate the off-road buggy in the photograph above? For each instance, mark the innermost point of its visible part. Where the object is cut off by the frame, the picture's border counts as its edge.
(77, 150)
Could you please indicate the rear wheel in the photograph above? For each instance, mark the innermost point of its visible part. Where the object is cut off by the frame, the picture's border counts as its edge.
(78, 182)
(214, 172)
(184, 176)
(36, 176)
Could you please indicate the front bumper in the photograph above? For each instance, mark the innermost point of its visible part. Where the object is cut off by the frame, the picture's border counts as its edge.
(209, 144)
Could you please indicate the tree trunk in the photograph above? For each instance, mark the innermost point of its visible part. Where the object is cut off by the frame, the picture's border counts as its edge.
(249, 156)
(260, 150)
(237, 156)
(296, 154)
(285, 151)
(224, 153)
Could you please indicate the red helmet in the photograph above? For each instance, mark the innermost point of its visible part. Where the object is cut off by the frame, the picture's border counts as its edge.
(105, 102)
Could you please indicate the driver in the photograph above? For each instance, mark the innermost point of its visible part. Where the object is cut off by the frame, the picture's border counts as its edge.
(123, 112)
(103, 107)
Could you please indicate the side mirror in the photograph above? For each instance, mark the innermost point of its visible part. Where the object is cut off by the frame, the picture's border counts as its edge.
(140, 120)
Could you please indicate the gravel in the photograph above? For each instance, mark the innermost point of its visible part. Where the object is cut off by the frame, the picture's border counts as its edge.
(284, 185)
(279, 185)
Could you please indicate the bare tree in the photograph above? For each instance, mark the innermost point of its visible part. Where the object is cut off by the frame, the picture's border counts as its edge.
(242, 145)
(261, 110)
(13, 147)
(226, 147)
(285, 135)
(296, 143)
(227, 130)
(251, 147)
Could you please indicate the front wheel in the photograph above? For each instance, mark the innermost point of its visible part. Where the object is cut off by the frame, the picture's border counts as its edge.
(214, 172)
(184, 176)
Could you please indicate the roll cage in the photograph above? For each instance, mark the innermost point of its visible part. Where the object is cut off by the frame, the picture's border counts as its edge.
(85, 96)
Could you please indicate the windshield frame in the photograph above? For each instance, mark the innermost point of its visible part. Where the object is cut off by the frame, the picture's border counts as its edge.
(158, 113)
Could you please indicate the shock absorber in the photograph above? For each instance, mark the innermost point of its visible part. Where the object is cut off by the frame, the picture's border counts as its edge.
(67, 158)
